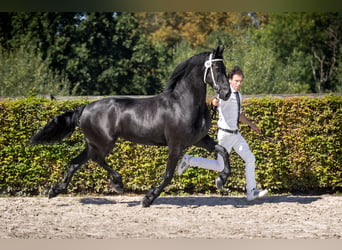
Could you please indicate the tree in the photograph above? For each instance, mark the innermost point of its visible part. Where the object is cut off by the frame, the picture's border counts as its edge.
(264, 73)
(99, 53)
(316, 35)
(39, 30)
(88, 53)
(24, 72)
(134, 53)
(325, 56)
(139, 65)
(5, 29)
(194, 27)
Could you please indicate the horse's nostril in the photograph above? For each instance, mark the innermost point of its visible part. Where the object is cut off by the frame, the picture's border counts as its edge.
(224, 95)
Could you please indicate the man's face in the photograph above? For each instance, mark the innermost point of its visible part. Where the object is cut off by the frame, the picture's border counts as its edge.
(236, 82)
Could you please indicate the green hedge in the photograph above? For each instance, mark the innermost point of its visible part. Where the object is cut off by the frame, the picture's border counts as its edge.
(306, 156)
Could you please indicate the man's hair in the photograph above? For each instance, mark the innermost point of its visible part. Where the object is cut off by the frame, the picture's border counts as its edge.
(235, 71)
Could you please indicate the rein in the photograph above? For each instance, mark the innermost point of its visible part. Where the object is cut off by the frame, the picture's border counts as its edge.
(208, 64)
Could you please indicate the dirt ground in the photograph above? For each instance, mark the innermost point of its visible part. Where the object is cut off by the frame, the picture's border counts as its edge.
(190, 217)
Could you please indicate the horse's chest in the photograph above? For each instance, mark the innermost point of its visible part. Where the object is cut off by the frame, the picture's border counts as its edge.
(203, 126)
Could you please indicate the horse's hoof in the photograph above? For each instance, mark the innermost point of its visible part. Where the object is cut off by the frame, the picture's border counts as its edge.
(219, 183)
(118, 189)
(117, 185)
(52, 193)
(146, 202)
(224, 191)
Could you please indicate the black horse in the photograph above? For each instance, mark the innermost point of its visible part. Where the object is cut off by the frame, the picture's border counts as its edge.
(178, 118)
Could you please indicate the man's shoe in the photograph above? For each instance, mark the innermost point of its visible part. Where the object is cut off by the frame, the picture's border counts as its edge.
(184, 165)
(256, 193)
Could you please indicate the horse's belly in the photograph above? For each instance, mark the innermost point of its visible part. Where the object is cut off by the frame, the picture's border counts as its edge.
(145, 139)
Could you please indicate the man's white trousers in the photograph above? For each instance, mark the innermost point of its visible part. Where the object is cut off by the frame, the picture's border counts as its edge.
(240, 146)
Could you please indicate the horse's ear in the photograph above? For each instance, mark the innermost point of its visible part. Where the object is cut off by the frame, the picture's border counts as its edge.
(219, 51)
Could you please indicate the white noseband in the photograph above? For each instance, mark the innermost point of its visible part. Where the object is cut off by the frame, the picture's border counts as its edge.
(208, 64)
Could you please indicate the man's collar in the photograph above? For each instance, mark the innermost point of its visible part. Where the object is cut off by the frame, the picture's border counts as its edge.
(233, 90)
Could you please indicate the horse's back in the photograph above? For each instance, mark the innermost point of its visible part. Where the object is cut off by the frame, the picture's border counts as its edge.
(136, 119)
(157, 120)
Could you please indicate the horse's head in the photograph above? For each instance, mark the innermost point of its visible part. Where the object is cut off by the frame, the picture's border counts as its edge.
(215, 73)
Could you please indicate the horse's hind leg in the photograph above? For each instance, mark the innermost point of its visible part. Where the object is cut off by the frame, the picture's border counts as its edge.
(98, 150)
(117, 179)
(75, 164)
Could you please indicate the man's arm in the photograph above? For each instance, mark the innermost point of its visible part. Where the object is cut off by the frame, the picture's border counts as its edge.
(215, 102)
(242, 119)
(245, 120)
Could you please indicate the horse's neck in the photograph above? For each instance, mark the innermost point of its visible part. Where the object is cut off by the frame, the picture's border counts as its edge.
(192, 93)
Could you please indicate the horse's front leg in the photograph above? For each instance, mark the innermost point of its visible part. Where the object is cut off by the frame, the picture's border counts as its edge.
(222, 177)
(208, 143)
(153, 193)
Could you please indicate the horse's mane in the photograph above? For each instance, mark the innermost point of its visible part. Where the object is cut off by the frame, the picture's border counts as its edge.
(183, 69)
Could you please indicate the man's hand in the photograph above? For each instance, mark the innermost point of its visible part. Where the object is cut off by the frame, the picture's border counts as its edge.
(255, 128)
(245, 120)
(215, 102)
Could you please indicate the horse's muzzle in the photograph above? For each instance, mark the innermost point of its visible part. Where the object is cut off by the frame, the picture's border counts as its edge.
(224, 94)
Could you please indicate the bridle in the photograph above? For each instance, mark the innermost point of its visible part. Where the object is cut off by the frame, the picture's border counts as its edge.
(208, 64)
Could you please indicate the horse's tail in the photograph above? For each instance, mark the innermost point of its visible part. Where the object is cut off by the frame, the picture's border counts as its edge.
(58, 128)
